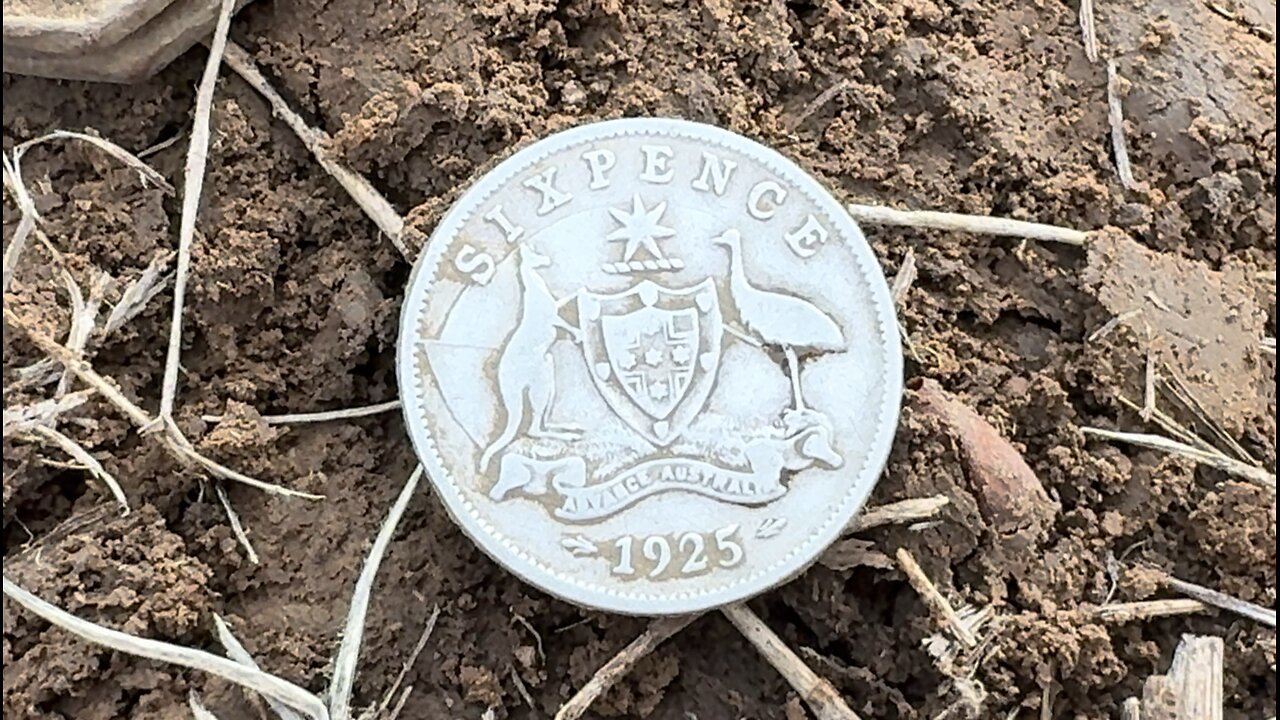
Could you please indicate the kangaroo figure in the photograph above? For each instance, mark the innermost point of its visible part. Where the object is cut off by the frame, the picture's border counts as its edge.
(525, 369)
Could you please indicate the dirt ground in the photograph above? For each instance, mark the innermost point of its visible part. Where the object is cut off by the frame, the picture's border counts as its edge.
(988, 108)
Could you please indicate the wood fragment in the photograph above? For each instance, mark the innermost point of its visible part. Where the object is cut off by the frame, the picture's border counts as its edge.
(1231, 466)
(978, 224)
(193, 183)
(619, 665)
(934, 599)
(173, 441)
(321, 416)
(1192, 689)
(897, 513)
(849, 553)
(1115, 116)
(1089, 30)
(1266, 616)
(1010, 496)
(366, 196)
(1142, 610)
(821, 697)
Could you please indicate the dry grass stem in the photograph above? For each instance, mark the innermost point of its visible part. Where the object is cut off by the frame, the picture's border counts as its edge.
(146, 173)
(138, 294)
(26, 223)
(1115, 116)
(905, 278)
(160, 146)
(897, 513)
(399, 706)
(946, 652)
(820, 695)
(1205, 595)
(1112, 324)
(236, 652)
(1149, 388)
(619, 665)
(84, 318)
(193, 183)
(13, 182)
(322, 416)
(1171, 426)
(173, 441)
(1269, 345)
(823, 98)
(236, 527)
(348, 656)
(381, 711)
(933, 598)
(86, 460)
(1130, 611)
(979, 224)
(1089, 30)
(256, 680)
(198, 710)
(25, 418)
(1231, 466)
(1172, 382)
(521, 688)
(316, 141)
(1047, 694)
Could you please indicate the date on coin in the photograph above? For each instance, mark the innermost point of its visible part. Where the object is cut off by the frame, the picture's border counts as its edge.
(650, 366)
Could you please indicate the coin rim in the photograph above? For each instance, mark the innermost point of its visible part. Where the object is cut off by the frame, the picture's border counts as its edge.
(502, 548)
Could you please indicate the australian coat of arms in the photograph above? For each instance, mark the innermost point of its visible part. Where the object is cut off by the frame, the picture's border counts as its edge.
(603, 395)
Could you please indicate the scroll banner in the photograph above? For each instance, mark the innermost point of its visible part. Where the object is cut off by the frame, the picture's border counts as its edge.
(599, 500)
(757, 484)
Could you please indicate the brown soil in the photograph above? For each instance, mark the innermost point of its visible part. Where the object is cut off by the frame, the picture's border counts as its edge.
(972, 107)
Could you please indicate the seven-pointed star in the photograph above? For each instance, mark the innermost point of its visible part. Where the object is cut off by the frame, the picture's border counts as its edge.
(640, 228)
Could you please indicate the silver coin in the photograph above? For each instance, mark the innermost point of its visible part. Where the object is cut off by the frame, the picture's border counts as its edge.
(650, 366)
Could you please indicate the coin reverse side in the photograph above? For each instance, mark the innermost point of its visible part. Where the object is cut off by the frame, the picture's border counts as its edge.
(650, 366)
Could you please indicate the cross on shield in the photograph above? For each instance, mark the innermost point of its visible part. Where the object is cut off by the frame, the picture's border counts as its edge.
(653, 352)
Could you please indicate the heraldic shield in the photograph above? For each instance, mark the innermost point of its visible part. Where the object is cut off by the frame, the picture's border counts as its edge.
(653, 353)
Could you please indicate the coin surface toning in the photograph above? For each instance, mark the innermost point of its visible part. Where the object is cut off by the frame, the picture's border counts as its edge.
(650, 366)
